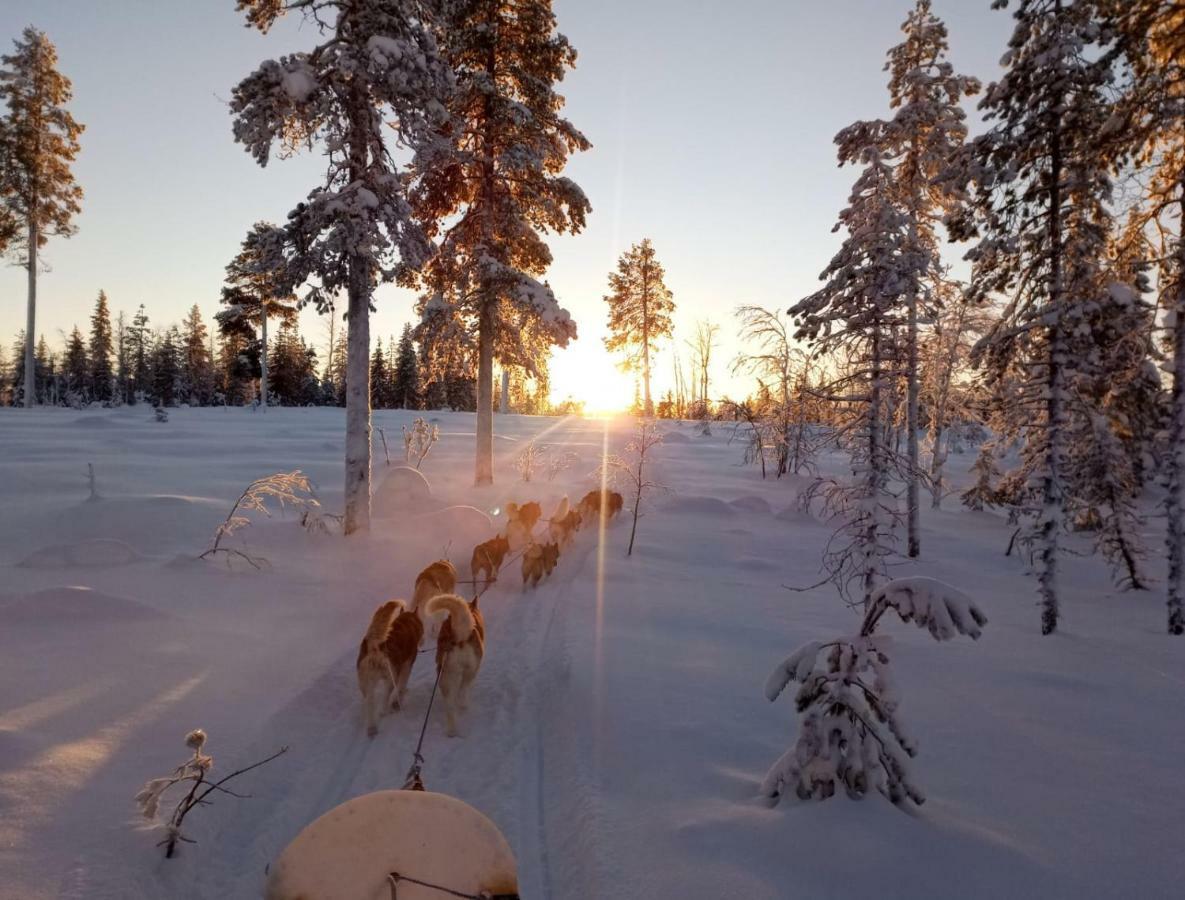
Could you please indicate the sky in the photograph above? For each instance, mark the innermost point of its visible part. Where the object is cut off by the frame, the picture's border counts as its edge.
(711, 123)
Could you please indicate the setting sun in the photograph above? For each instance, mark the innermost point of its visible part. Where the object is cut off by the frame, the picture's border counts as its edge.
(586, 373)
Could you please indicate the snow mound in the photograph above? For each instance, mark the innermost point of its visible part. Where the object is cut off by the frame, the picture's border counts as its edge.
(149, 523)
(95, 552)
(460, 528)
(693, 505)
(430, 837)
(752, 504)
(71, 605)
(675, 437)
(404, 490)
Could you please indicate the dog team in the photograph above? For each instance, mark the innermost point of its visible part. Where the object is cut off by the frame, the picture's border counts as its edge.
(392, 642)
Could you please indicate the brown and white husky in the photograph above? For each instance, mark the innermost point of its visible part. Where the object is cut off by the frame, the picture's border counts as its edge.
(385, 659)
(459, 649)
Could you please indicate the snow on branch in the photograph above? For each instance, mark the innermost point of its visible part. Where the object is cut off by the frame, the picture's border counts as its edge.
(929, 603)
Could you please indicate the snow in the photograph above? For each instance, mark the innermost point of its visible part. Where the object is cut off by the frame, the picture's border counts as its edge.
(299, 84)
(618, 733)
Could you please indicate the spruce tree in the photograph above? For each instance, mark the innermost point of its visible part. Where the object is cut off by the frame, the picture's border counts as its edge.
(140, 344)
(40, 141)
(166, 369)
(376, 76)
(500, 186)
(102, 348)
(406, 382)
(640, 307)
(379, 386)
(123, 358)
(77, 366)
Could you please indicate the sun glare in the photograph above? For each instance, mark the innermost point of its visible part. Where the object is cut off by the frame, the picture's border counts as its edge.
(588, 375)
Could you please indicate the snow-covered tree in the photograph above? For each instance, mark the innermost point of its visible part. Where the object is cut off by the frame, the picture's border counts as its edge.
(38, 144)
(701, 345)
(917, 145)
(851, 734)
(140, 353)
(1148, 134)
(380, 382)
(640, 307)
(375, 76)
(857, 313)
(499, 186)
(101, 351)
(1041, 192)
(166, 369)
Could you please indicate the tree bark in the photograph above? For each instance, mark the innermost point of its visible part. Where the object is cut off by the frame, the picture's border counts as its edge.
(1175, 501)
(357, 486)
(485, 394)
(647, 405)
(911, 423)
(31, 320)
(504, 404)
(1051, 512)
(263, 358)
(875, 471)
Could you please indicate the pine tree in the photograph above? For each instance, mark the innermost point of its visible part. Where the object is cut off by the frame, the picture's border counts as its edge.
(256, 292)
(45, 375)
(640, 307)
(1041, 202)
(406, 378)
(6, 374)
(378, 68)
(40, 141)
(197, 365)
(500, 186)
(77, 366)
(918, 143)
(101, 349)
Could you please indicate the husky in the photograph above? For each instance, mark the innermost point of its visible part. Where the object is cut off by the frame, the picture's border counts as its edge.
(459, 649)
(487, 559)
(385, 659)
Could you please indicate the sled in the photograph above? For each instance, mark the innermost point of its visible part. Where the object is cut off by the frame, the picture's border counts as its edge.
(427, 841)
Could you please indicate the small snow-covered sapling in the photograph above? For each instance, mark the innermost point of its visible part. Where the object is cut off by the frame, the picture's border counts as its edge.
(529, 459)
(850, 733)
(196, 772)
(418, 440)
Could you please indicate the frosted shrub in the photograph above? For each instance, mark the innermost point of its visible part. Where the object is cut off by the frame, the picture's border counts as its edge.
(194, 772)
(284, 489)
(418, 440)
(529, 459)
(631, 470)
(850, 734)
(558, 462)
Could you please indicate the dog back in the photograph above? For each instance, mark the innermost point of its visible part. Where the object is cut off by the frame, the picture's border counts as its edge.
(438, 578)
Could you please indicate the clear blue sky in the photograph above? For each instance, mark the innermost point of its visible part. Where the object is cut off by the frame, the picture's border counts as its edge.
(711, 125)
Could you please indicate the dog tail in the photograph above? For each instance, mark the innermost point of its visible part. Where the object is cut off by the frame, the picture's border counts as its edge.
(459, 614)
(380, 623)
(561, 511)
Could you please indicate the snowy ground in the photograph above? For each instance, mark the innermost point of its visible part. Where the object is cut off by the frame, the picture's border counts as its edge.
(618, 731)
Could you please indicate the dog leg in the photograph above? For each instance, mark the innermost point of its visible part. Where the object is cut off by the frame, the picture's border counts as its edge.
(449, 690)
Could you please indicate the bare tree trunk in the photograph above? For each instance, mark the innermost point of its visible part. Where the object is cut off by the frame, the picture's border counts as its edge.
(647, 405)
(485, 394)
(1052, 512)
(263, 358)
(31, 320)
(875, 471)
(1175, 502)
(357, 488)
(504, 405)
(914, 540)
